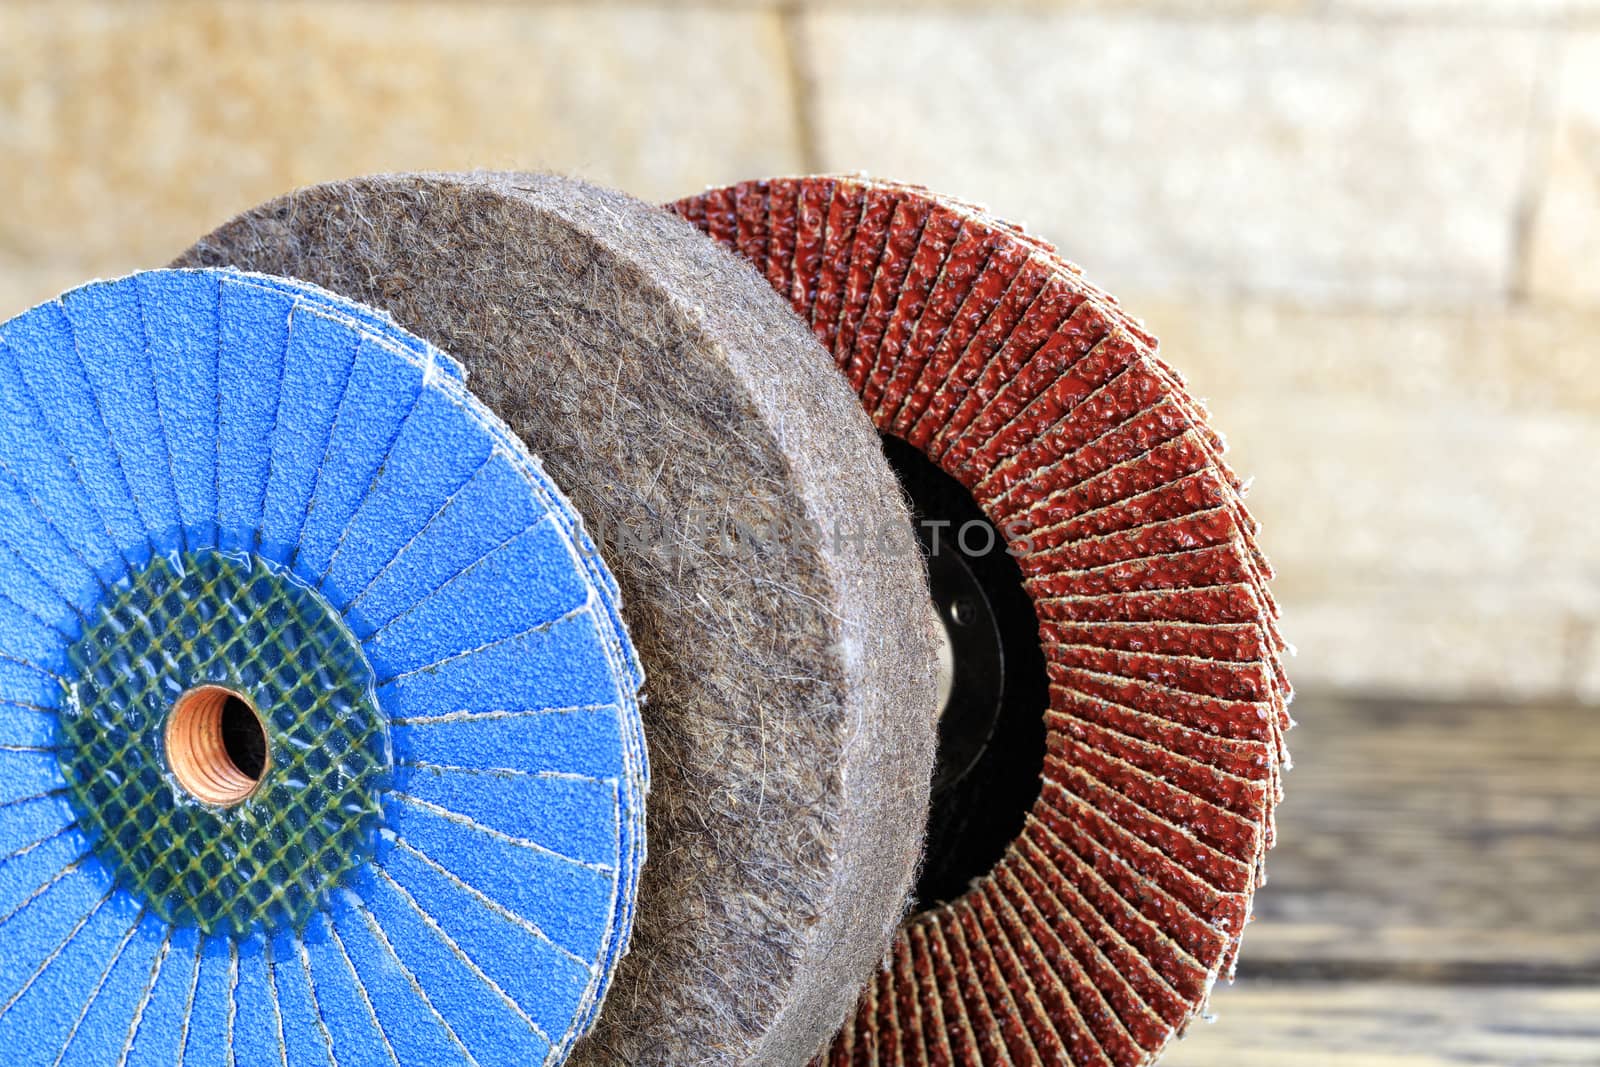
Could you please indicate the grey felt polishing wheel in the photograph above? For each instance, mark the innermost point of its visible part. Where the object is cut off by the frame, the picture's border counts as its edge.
(770, 576)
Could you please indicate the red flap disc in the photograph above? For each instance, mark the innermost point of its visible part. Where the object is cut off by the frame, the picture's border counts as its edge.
(1097, 935)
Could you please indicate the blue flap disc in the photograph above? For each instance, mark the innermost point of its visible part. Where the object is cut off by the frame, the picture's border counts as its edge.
(319, 726)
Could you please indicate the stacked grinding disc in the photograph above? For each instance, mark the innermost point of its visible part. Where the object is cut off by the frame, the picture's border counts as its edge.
(770, 575)
(1098, 936)
(239, 507)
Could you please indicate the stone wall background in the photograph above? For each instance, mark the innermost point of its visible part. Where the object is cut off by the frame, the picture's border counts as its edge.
(1368, 230)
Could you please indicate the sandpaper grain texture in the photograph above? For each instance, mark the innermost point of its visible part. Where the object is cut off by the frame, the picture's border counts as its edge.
(714, 453)
(1099, 934)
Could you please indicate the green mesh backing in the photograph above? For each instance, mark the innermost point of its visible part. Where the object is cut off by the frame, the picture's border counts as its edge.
(207, 618)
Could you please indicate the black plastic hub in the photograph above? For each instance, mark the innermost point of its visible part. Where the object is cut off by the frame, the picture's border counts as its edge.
(991, 730)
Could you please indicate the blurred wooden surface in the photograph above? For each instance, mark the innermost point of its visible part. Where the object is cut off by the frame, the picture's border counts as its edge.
(1435, 898)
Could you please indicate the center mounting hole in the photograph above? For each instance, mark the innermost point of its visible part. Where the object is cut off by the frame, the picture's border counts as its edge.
(216, 745)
